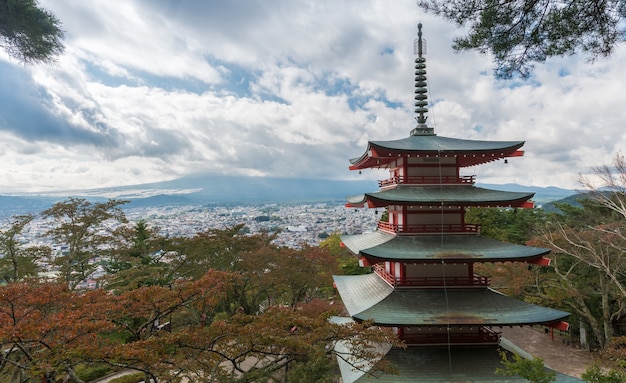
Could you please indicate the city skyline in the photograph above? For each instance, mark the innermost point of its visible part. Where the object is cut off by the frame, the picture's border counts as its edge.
(151, 91)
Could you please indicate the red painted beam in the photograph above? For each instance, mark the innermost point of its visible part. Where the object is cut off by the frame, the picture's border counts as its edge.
(563, 326)
(543, 261)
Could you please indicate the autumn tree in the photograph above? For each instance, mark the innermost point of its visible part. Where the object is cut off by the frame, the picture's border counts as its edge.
(269, 274)
(43, 325)
(250, 256)
(18, 261)
(265, 299)
(276, 345)
(171, 333)
(300, 275)
(29, 33)
(521, 33)
(87, 228)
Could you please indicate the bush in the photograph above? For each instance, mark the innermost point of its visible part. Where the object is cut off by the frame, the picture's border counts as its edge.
(532, 370)
(89, 372)
(594, 374)
(130, 378)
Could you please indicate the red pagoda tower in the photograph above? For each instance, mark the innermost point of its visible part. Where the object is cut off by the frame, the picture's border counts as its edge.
(423, 284)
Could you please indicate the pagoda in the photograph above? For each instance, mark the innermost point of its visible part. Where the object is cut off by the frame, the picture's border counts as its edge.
(423, 284)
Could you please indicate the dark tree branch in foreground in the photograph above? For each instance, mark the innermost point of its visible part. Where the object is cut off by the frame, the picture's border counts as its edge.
(521, 33)
(29, 33)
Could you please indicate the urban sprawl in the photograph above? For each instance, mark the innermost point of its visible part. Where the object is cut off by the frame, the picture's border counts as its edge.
(298, 224)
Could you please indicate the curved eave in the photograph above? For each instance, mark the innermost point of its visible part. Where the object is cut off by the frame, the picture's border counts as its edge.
(433, 364)
(440, 195)
(368, 299)
(379, 247)
(467, 152)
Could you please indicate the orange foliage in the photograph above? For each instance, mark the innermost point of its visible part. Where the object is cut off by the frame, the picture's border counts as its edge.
(49, 329)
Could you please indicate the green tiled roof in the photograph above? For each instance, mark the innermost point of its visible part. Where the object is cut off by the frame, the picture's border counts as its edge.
(434, 364)
(445, 365)
(385, 246)
(359, 294)
(446, 194)
(433, 144)
(446, 145)
(369, 297)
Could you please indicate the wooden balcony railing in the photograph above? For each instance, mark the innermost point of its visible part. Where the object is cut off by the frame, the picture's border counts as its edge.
(427, 180)
(429, 228)
(475, 280)
(483, 335)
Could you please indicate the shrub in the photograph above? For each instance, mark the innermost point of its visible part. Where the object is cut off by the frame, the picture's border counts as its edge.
(532, 370)
(89, 372)
(130, 378)
(594, 374)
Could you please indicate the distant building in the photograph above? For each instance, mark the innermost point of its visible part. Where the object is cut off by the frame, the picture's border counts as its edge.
(296, 229)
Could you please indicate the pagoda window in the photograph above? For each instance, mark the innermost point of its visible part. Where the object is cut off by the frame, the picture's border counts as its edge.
(435, 218)
(432, 160)
(436, 274)
(395, 219)
(431, 171)
(398, 271)
(424, 171)
(435, 222)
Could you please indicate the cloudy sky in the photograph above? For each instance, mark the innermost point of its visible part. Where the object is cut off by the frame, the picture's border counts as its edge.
(153, 90)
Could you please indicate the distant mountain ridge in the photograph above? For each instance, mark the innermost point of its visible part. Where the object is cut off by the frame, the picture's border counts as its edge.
(542, 194)
(222, 189)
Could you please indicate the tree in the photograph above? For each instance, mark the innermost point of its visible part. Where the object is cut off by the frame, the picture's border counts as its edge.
(348, 264)
(587, 269)
(18, 262)
(521, 33)
(301, 275)
(532, 370)
(83, 226)
(42, 325)
(29, 33)
(594, 374)
(137, 258)
(170, 333)
(508, 225)
(265, 347)
(607, 185)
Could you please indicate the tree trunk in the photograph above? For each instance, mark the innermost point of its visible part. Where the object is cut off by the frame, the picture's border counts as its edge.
(607, 322)
(583, 335)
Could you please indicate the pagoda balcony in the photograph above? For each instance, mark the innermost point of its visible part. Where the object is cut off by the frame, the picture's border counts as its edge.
(475, 281)
(428, 228)
(483, 336)
(427, 180)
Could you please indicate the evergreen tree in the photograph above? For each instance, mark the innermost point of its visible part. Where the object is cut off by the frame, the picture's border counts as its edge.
(521, 33)
(28, 32)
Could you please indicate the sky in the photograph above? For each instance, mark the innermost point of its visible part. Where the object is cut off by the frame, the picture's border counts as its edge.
(154, 90)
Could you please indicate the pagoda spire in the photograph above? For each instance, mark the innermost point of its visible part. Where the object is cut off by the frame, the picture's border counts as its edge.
(420, 88)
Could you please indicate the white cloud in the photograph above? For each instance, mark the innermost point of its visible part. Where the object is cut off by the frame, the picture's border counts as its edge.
(154, 90)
